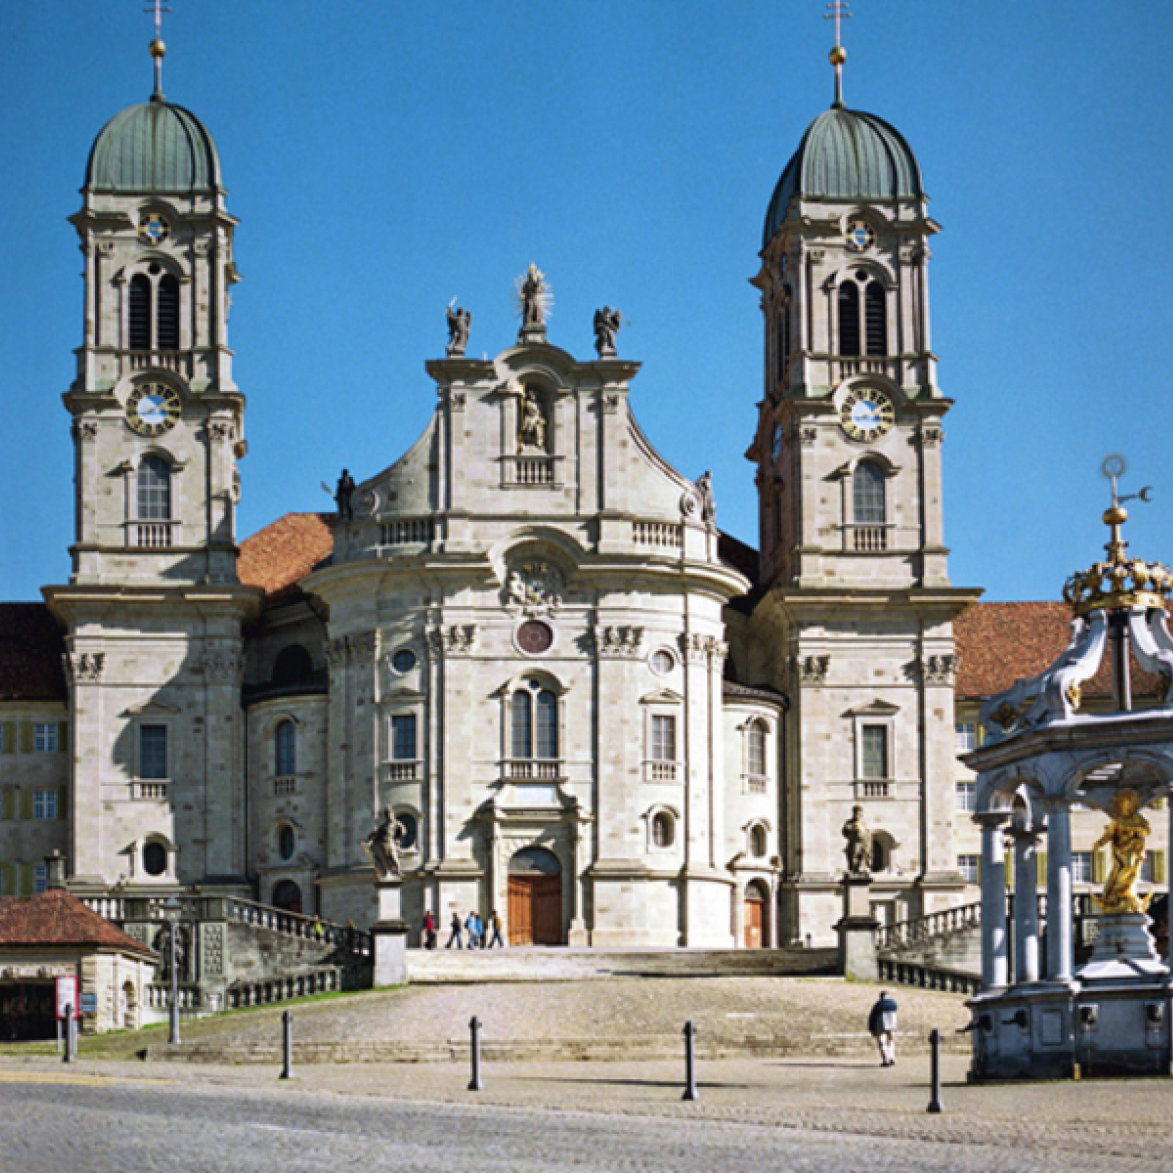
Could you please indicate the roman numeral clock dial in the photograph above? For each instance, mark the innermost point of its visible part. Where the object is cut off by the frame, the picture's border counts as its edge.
(866, 414)
(153, 408)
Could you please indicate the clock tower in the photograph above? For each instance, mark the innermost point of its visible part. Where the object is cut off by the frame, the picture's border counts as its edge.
(153, 611)
(856, 622)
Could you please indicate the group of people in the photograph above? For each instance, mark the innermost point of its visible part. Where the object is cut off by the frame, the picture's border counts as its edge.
(481, 934)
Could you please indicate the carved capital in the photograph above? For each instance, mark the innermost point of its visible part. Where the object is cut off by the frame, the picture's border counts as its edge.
(83, 667)
(364, 647)
(337, 652)
(806, 434)
(456, 400)
(86, 429)
(222, 430)
(619, 640)
(932, 436)
(939, 669)
(701, 649)
(812, 670)
(221, 666)
(610, 403)
(460, 639)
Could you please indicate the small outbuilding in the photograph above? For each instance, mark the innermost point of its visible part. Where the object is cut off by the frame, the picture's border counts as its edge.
(52, 935)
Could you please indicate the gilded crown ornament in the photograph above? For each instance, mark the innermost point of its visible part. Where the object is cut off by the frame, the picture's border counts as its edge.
(1119, 582)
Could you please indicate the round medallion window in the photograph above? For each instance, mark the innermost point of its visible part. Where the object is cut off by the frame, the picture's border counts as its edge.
(860, 236)
(403, 660)
(535, 637)
(154, 859)
(663, 661)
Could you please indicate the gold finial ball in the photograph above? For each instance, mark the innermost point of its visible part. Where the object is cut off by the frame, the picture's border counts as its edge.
(1117, 515)
(158, 49)
(838, 55)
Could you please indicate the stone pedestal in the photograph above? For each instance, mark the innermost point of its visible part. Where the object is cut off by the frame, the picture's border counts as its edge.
(1124, 949)
(857, 931)
(389, 934)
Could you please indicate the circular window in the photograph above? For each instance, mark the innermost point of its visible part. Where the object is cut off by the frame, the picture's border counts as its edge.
(153, 229)
(411, 831)
(286, 841)
(403, 660)
(535, 637)
(860, 235)
(154, 859)
(663, 661)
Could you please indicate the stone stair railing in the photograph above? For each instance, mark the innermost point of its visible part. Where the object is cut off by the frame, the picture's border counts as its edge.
(928, 977)
(894, 937)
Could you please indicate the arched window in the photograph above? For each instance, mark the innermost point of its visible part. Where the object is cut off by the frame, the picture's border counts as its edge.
(783, 340)
(868, 500)
(154, 489)
(154, 858)
(876, 318)
(663, 829)
(285, 750)
(755, 749)
(286, 841)
(758, 841)
(293, 666)
(139, 317)
(849, 319)
(167, 317)
(533, 723)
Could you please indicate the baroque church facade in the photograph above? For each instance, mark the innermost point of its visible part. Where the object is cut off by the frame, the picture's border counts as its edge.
(588, 708)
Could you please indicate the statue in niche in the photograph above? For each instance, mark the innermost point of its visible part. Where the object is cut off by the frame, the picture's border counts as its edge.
(704, 485)
(531, 425)
(382, 845)
(343, 496)
(858, 849)
(607, 323)
(1126, 833)
(459, 325)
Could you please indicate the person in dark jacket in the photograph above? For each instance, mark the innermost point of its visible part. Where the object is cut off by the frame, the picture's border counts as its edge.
(882, 1027)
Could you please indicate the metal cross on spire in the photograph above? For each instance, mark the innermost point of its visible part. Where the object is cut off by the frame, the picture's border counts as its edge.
(158, 49)
(838, 11)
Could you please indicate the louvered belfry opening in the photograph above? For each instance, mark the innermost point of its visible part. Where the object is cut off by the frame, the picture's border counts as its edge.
(876, 316)
(139, 317)
(168, 315)
(849, 319)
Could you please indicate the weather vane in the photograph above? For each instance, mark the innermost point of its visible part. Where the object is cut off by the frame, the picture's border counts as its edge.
(838, 11)
(1113, 468)
(158, 49)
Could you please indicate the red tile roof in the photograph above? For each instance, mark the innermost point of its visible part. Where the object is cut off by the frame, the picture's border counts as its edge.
(279, 556)
(999, 643)
(31, 647)
(54, 917)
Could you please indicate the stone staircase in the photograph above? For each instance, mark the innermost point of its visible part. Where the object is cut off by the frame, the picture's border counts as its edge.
(544, 963)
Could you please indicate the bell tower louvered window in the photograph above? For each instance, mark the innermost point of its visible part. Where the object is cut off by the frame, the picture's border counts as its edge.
(849, 319)
(139, 316)
(168, 313)
(876, 319)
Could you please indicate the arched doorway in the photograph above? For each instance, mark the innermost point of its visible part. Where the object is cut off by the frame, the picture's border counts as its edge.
(757, 933)
(534, 916)
(287, 896)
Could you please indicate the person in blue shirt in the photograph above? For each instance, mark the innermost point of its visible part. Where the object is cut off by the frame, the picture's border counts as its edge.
(882, 1027)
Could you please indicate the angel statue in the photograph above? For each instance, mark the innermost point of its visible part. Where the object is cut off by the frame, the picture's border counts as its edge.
(607, 323)
(382, 845)
(1126, 833)
(459, 324)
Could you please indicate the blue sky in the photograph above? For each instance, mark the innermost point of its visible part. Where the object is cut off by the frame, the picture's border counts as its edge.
(384, 158)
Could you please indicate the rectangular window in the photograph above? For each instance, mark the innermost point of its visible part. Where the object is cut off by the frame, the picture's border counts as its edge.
(403, 747)
(152, 751)
(966, 736)
(44, 738)
(1081, 867)
(968, 865)
(45, 804)
(874, 751)
(966, 796)
(663, 739)
(40, 877)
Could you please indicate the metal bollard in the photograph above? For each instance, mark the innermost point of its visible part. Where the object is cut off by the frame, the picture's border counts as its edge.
(690, 1032)
(474, 1026)
(935, 1076)
(287, 1044)
(70, 1035)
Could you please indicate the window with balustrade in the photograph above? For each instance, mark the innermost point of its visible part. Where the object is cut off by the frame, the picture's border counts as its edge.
(863, 317)
(533, 738)
(153, 310)
(662, 747)
(152, 751)
(757, 774)
(404, 747)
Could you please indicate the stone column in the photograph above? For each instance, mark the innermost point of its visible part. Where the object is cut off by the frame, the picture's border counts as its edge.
(993, 899)
(1059, 934)
(1026, 908)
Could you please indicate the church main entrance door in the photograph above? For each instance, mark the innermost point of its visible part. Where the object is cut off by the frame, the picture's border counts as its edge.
(755, 916)
(534, 915)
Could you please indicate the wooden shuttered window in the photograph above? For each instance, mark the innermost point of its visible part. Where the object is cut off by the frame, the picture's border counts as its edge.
(62, 736)
(8, 737)
(28, 878)
(62, 802)
(27, 798)
(9, 802)
(27, 736)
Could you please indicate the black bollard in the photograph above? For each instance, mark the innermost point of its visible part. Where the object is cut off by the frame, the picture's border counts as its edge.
(474, 1026)
(70, 1035)
(287, 1044)
(690, 1092)
(935, 1075)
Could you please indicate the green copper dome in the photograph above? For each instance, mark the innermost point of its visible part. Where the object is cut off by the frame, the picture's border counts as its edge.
(155, 147)
(846, 155)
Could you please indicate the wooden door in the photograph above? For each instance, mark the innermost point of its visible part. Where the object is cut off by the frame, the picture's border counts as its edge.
(755, 908)
(535, 910)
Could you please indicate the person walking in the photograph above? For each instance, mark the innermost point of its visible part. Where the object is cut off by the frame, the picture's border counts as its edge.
(429, 930)
(882, 1027)
(493, 931)
(472, 926)
(455, 932)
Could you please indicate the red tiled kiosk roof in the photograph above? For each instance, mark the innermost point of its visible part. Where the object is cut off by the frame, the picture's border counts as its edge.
(55, 918)
(999, 643)
(279, 556)
(31, 648)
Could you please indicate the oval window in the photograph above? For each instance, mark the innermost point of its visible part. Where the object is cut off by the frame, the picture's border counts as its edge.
(286, 841)
(154, 859)
(663, 661)
(403, 660)
(407, 840)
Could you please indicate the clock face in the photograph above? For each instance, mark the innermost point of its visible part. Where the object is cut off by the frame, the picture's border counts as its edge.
(866, 414)
(153, 408)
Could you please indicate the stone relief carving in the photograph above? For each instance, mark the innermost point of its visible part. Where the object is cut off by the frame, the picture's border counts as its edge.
(361, 648)
(458, 639)
(221, 665)
(691, 505)
(622, 640)
(932, 436)
(939, 669)
(213, 950)
(86, 429)
(700, 648)
(807, 435)
(813, 669)
(534, 588)
(222, 430)
(457, 400)
(83, 667)
(610, 403)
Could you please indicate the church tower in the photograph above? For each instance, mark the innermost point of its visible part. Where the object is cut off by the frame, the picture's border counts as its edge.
(153, 610)
(856, 624)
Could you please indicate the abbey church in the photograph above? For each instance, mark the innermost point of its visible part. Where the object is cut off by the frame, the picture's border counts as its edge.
(587, 707)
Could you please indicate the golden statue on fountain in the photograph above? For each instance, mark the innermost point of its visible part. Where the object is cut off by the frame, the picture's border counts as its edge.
(1126, 833)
